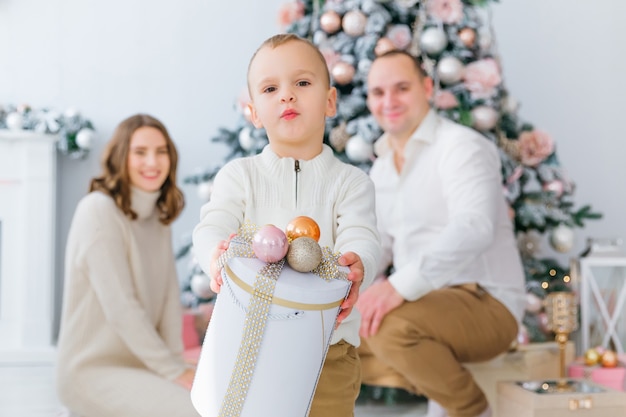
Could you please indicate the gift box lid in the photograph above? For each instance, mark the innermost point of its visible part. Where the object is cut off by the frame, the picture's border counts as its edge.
(291, 286)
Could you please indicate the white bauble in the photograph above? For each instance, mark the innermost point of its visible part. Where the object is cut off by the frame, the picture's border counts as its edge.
(562, 238)
(354, 23)
(71, 112)
(433, 41)
(201, 286)
(450, 70)
(204, 190)
(358, 150)
(484, 118)
(534, 304)
(14, 121)
(85, 138)
(246, 141)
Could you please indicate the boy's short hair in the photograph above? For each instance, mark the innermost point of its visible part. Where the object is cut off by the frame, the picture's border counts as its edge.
(283, 38)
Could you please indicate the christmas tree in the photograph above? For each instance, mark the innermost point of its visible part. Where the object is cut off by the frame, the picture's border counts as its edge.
(455, 42)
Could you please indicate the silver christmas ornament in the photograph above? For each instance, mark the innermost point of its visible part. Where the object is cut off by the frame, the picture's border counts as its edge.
(358, 150)
(246, 141)
(201, 286)
(450, 70)
(204, 190)
(562, 238)
(484, 118)
(85, 138)
(433, 40)
(14, 121)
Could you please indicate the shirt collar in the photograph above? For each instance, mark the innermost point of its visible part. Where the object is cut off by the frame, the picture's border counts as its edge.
(425, 132)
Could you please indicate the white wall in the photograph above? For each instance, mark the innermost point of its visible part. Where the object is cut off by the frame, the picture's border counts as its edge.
(565, 61)
(184, 62)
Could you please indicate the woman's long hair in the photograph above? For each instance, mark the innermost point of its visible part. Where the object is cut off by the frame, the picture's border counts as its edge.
(115, 180)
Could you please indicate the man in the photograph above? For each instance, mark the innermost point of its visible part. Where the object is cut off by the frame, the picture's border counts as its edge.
(456, 293)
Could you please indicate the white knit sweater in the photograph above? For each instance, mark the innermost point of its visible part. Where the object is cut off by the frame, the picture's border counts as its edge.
(267, 189)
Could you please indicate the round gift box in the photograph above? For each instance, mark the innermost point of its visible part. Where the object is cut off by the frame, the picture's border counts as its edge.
(299, 327)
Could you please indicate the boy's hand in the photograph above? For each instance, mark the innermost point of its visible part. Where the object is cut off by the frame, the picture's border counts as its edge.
(216, 271)
(353, 261)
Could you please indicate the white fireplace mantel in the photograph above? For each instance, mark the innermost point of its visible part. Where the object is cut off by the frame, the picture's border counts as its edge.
(27, 236)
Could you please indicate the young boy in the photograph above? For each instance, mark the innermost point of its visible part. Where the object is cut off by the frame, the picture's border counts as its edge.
(298, 175)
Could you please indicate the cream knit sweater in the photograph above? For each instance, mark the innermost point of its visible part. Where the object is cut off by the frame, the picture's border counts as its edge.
(268, 189)
(120, 344)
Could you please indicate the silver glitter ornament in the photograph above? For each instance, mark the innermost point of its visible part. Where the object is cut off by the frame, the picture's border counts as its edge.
(304, 254)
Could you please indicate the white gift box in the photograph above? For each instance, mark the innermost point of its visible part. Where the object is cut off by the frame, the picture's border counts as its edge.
(297, 332)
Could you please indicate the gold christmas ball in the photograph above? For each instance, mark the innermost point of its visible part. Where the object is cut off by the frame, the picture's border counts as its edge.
(383, 45)
(304, 254)
(609, 359)
(592, 357)
(302, 226)
(330, 21)
(342, 73)
(468, 37)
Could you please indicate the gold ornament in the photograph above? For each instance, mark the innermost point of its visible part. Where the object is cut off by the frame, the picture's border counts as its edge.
(510, 146)
(467, 37)
(338, 137)
(592, 357)
(609, 359)
(304, 254)
(302, 226)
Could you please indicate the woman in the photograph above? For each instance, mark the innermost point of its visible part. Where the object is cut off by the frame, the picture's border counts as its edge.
(120, 345)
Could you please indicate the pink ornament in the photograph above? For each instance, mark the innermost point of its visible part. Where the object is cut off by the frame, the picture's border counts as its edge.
(270, 244)
(383, 45)
(534, 304)
(330, 21)
(522, 336)
(343, 73)
(555, 186)
(354, 23)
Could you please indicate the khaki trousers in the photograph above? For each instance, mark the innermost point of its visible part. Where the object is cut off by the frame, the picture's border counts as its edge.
(421, 346)
(339, 383)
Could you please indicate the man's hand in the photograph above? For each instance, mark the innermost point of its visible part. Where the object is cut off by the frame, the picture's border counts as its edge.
(352, 261)
(216, 271)
(374, 304)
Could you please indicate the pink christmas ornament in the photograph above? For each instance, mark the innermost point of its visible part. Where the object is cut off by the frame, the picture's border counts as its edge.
(383, 45)
(270, 244)
(330, 21)
(342, 73)
(354, 22)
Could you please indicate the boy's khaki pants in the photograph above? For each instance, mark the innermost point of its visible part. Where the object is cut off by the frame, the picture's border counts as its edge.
(339, 383)
(422, 345)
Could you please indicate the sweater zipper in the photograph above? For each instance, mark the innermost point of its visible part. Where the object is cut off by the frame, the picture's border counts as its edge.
(297, 170)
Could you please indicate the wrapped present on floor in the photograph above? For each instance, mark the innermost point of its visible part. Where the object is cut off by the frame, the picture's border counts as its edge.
(268, 337)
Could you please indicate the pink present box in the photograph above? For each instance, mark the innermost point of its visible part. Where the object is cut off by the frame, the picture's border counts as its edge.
(610, 377)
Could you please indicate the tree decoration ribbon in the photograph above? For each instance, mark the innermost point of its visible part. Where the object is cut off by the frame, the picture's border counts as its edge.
(258, 312)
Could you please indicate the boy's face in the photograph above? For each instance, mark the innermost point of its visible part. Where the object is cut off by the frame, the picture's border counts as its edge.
(290, 95)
